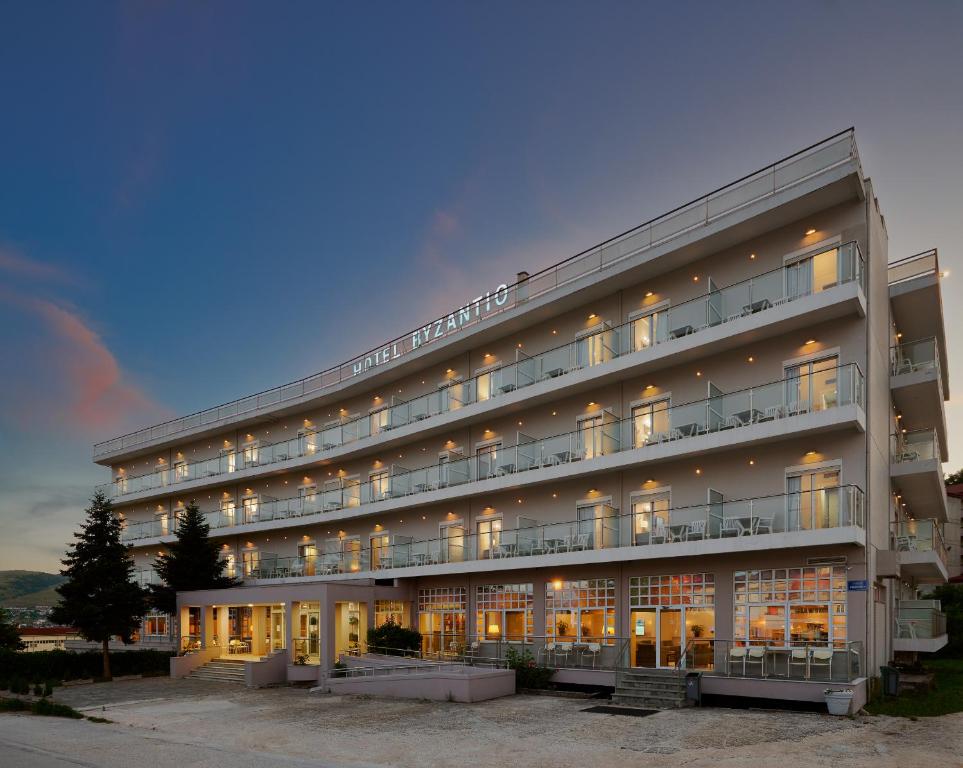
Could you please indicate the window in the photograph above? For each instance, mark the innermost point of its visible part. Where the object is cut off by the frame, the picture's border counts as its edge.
(378, 420)
(796, 606)
(647, 330)
(441, 619)
(155, 625)
(308, 555)
(813, 499)
(594, 347)
(227, 512)
(486, 458)
(249, 508)
(308, 496)
(504, 612)
(391, 610)
(650, 515)
(380, 550)
(249, 453)
(308, 439)
(648, 419)
(379, 484)
(230, 563)
(351, 554)
(228, 460)
(489, 536)
(250, 561)
(812, 274)
(590, 436)
(813, 385)
(598, 526)
(181, 471)
(580, 611)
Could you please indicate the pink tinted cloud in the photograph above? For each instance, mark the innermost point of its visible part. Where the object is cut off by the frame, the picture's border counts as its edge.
(72, 379)
(15, 263)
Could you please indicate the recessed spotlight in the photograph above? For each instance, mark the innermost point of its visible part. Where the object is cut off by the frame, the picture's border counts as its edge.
(698, 373)
(592, 316)
(695, 278)
(698, 471)
(752, 255)
(650, 386)
(648, 294)
(752, 462)
(449, 370)
(750, 359)
(810, 231)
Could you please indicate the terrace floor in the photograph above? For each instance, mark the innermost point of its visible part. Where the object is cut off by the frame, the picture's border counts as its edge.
(181, 723)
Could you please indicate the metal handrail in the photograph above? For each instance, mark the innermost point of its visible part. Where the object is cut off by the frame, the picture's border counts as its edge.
(700, 212)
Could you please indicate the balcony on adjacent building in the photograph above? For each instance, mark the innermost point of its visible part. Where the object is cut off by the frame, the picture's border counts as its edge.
(920, 626)
(597, 533)
(917, 473)
(793, 405)
(917, 386)
(749, 300)
(920, 550)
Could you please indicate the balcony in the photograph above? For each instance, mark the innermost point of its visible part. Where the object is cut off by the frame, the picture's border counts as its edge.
(743, 307)
(917, 386)
(920, 550)
(816, 177)
(767, 412)
(917, 473)
(920, 627)
(600, 534)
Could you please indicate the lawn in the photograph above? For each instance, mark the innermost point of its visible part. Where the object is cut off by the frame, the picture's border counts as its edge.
(946, 698)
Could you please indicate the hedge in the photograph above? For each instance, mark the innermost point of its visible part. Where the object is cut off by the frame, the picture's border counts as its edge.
(40, 666)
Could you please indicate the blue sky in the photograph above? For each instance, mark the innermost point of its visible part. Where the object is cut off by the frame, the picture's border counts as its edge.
(199, 201)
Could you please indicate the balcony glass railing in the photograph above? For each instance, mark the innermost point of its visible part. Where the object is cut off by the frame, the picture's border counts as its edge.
(842, 264)
(790, 171)
(911, 267)
(596, 527)
(920, 620)
(916, 445)
(912, 356)
(919, 536)
(796, 396)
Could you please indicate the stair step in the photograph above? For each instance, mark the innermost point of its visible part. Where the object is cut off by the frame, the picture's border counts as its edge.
(649, 702)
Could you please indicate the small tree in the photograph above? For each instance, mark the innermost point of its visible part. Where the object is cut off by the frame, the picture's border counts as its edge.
(9, 636)
(393, 639)
(955, 479)
(191, 562)
(99, 597)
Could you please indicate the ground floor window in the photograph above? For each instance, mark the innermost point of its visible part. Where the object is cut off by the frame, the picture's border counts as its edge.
(441, 619)
(671, 616)
(504, 612)
(580, 611)
(391, 610)
(790, 606)
(155, 625)
(307, 640)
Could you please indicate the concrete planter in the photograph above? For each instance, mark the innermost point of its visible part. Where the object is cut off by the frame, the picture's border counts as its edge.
(303, 673)
(838, 702)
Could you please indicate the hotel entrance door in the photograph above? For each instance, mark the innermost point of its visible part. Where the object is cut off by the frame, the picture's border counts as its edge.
(660, 636)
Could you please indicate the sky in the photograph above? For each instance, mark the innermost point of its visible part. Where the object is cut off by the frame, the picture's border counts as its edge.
(202, 200)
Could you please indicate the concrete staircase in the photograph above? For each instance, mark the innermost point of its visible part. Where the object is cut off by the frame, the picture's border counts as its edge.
(650, 689)
(224, 670)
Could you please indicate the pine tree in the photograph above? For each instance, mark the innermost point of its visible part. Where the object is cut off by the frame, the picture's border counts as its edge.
(100, 597)
(9, 636)
(192, 562)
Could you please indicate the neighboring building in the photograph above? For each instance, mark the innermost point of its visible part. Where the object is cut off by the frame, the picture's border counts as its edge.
(712, 441)
(46, 638)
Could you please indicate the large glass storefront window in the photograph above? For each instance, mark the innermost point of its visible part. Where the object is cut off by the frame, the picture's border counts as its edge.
(394, 611)
(504, 612)
(441, 619)
(790, 606)
(670, 616)
(307, 643)
(580, 611)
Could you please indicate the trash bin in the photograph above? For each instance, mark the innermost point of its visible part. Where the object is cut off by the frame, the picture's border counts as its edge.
(693, 687)
(890, 681)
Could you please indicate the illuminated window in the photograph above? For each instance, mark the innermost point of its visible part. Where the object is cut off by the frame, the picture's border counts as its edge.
(391, 610)
(441, 619)
(648, 419)
(504, 612)
(580, 611)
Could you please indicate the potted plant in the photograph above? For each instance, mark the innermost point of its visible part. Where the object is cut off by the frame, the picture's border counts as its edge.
(838, 700)
(697, 630)
(562, 628)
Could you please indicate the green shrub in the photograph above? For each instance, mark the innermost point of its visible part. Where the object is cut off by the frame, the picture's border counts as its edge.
(52, 709)
(37, 689)
(528, 674)
(393, 639)
(70, 665)
(48, 688)
(12, 705)
(19, 685)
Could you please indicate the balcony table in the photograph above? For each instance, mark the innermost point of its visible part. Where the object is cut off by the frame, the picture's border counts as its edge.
(749, 416)
(677, 531)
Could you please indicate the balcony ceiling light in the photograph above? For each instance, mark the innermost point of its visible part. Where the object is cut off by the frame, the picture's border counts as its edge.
(592, 316)
(695, 278)
(751, 359)
(752, 255)
(810, 231)
(945, 273)
(648, 294)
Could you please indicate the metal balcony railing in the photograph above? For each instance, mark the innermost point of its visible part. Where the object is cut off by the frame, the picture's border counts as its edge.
(818, 158)
(912, 356)
(919, 536)
(787, 398)
(920, 620)
(598, 526)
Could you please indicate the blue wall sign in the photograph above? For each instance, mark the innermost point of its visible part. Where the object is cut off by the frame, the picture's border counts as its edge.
(859, 585)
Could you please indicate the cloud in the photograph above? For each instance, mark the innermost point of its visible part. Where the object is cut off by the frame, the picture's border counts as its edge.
(15, 263)
(75, 381)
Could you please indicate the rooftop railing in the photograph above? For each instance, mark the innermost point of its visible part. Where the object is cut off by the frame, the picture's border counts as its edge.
(911, 267)
(805, 164)
(821, 390)
(598, 526)
(919, 536)
(719, 306)
(912, 356)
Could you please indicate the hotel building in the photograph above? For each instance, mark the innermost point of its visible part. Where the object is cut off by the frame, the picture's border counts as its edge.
(712, 442)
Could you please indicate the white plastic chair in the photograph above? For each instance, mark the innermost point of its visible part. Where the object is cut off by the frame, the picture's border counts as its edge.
(798, 657)
(821, 657)
(757, 655)
(737, 654)
(593, 650)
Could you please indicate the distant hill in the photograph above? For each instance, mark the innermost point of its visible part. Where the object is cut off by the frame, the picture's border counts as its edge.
(27, 588)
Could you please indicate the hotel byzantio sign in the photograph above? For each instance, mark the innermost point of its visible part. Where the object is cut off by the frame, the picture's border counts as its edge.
(471, 312)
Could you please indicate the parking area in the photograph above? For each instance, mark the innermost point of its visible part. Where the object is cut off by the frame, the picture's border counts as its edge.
(181, 723)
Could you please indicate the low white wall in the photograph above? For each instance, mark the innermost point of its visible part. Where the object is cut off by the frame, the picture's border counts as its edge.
(436, 685)
(304, 673)
(787, 690)
(273, 669)
(182, 666)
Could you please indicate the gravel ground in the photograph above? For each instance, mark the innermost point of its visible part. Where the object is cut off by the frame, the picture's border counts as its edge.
(219, 724)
